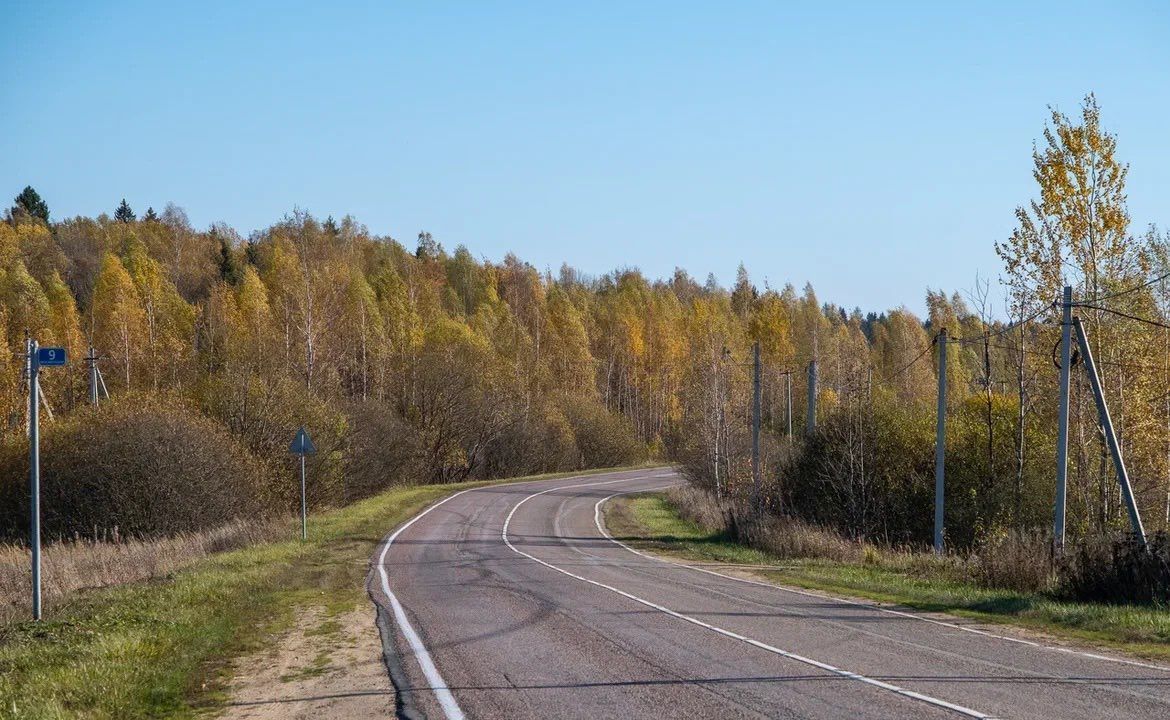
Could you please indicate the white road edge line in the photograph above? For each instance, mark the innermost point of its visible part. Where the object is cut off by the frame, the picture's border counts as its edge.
(727, 633)
(871, 606)
(443, 694)
(446, 700)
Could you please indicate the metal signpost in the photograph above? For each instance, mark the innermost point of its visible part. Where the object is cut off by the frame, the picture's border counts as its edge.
(302, 445)
(37, 358)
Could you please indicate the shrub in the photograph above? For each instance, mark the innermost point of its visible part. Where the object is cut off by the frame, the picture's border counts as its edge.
(144, 466)
(1118, 571)
(264, 414)
(604, 439)
(1014, 561)
(382, 450)
(542, 442)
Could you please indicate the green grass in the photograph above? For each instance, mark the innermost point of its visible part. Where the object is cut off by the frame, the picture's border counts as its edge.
(161, 648)
(653, 524)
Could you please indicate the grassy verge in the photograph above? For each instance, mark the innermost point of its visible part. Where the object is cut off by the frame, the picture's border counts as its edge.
(653, 523)
(161, 648)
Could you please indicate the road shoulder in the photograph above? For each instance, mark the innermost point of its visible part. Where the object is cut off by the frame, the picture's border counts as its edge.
(328, 665)
(649, 524)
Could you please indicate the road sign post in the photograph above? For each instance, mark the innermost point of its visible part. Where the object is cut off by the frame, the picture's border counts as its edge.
(36, 357)
(302, 445)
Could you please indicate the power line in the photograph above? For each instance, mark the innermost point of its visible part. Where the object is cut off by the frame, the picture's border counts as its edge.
(1133, 289)
(918, 357)
(1119, 313)
(1099, 361)
(1002, 331)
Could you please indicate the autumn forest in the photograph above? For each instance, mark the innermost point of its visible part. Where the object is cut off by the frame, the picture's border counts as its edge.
(423, 363)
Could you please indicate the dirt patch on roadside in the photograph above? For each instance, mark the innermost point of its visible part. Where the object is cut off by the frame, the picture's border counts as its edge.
(329, 666)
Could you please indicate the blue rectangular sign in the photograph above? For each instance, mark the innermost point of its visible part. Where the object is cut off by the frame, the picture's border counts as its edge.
(50, 356)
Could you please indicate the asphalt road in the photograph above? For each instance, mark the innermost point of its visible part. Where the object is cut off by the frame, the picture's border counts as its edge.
(511, 602)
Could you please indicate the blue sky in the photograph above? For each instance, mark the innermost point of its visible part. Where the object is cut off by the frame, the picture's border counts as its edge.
(873, 149)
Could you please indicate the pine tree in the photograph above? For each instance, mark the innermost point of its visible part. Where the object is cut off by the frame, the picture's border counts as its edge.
(29, 202)
(150, 216)
(229, 270)
(124, 213)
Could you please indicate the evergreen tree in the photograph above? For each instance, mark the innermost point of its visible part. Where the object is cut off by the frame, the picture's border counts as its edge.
(150, 216)
(124, 213)
(229, 271)
(29, 202)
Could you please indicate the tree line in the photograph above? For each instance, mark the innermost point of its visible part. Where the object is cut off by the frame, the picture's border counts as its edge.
(868, 469)
(423, 364)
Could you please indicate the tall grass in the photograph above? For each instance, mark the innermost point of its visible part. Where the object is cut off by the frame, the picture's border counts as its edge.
(81, 563)
(1014, 561)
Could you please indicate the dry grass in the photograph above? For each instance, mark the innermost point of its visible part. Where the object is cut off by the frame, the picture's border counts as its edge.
(783, 537)
(1013, 561)
(71, 566)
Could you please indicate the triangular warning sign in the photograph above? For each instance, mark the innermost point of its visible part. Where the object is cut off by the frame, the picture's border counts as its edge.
(301, 444)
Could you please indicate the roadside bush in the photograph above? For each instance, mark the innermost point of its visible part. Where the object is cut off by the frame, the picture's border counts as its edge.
(382, 450)
(264, 415)
(792, 538)
(785, 537)
(604, 439)
(700, 507)
(542, 442)
(147, 467)
(1118, 571)
(1014, 561)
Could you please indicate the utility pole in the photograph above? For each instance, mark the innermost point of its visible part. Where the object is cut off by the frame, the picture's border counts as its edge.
(811, 424)
(788, 401)
(91, 363)
(1135, 518)
(715, 409)
(940, 451)
(34, 472)
(756, 480)
(1062, 421)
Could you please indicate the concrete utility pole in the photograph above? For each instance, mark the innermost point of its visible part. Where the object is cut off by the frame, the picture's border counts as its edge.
(811, 424)
(756, 480)
(1135, 518)
(1062, 420)
(940, 437)
(788, 401)
(34, 472)
(91, 362)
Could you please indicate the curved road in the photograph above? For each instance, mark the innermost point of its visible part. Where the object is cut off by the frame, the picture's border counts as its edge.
(511, 601)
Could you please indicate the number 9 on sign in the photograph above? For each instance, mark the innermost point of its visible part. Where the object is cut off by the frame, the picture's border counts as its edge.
(51, 356)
